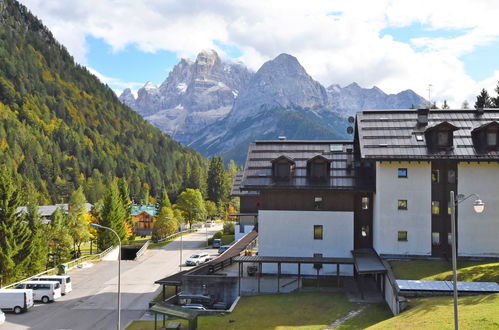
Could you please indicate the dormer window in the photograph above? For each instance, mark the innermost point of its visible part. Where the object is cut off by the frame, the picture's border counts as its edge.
(282, 168)
(491, 139)
(318, 169)
(486, 137)
(443, 139)
(440, 137)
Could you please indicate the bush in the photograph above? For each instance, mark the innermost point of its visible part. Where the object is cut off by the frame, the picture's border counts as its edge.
(229, 228)
(218, 234)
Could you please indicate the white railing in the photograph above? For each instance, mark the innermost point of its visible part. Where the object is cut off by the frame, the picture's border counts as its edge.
(142, 250)
(70, 264)
(174, 235)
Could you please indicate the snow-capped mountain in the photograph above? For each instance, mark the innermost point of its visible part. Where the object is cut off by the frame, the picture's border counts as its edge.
(219, 107)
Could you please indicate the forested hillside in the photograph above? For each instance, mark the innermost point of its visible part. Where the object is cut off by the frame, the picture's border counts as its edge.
(61, 128)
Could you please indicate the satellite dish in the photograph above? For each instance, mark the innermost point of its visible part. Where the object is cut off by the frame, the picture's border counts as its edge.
(349, 129)
(351, 120)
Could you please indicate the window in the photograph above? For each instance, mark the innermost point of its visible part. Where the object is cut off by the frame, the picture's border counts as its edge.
(318, 171)
(317, 203)
(318, 232)
(491, 139)
(448, 207)
(435, 176)
(443, 139)
(449, 238)
(283, 170)
(365, 203)
(451, 176)
(435, 207)
(402, 236)
(419, 137)
(435, 239)
(402, 204)
(402, 173)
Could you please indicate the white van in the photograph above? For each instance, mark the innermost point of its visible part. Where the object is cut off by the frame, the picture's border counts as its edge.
(16, 300)
(43, 291)
(64, 281)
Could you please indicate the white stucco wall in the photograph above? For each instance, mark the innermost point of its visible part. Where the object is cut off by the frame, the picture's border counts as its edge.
(290, 234)
(237, 231)
(478, 234)
(416, 220)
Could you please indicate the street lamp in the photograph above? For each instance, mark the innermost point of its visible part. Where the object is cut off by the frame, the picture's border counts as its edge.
(181, 240)
(119, 269)
(478, 206)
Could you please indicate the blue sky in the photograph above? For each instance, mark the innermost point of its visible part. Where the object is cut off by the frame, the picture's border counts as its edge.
(392, 44)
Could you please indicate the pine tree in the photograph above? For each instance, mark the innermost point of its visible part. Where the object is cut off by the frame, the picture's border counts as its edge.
(39, 248)
(165, 200)
(495, 100)
(78, 227)
(14, 232)
(112, 215)
(127, 206)
(216, 180)
(483, 100)
(465, 104)
(59, 239)
(445, 106)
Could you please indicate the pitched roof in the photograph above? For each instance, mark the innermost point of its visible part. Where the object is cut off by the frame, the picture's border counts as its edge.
(395, 134)
(258, 170)
(236, 187)
(138, 209)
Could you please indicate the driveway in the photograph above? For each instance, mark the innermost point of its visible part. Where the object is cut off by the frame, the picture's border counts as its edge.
(92, 304)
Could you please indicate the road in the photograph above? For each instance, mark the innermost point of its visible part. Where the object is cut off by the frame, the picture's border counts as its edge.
(93, 302)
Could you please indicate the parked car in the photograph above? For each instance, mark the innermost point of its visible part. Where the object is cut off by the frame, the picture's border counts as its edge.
(44, 291)
(198, 307)
(197, 259)
(64, 281)
(16, 300)
(2, 317)
(223, 248)
(217, 242)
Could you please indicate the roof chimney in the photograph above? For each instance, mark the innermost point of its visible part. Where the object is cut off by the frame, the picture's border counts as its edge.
(282, 138)
(423, 117)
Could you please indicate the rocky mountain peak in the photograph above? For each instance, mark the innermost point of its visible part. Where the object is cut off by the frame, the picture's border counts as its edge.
(127, 98)
(281, 82)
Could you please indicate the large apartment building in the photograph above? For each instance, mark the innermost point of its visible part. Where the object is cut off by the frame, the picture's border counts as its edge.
(388, 189)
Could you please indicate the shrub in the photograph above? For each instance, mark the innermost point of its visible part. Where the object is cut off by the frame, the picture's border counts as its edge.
(228, 228)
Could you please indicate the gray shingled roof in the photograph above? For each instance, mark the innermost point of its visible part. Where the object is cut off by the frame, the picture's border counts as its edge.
(258, 170)
(236, 187)
(391, 134)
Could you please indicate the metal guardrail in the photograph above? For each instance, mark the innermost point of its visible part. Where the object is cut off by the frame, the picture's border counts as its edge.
(142, 250)
(70, 264)
(175, 235)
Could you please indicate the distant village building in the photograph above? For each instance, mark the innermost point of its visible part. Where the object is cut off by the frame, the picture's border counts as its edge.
(46, 211)
(143, 217)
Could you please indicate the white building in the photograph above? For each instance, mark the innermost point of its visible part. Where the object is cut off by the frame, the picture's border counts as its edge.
(388, 190)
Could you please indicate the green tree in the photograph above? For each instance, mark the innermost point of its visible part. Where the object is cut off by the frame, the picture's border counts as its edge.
(191, 203)
(483, 100)
(216, 182)
(112, 215)
(211, 209)
(445, 106)
(78, 226)
(465, 104)
(39, 246)
(163, 227)
(14, 232)
(59, 239)
(495, 100)
(165, 200)
(127, 206)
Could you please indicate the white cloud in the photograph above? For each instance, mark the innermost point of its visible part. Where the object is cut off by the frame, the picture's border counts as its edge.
(336, 41)
(116, 82)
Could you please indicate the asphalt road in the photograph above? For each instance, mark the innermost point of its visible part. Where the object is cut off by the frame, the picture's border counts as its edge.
(93, 302)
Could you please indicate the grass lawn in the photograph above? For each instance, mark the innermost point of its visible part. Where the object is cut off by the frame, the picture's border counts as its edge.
(303, 310)
(438, 270)
(475, 312)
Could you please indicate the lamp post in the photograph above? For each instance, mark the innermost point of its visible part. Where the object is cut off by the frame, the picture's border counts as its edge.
(119, 269)
(478, 206)
(181, 240)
